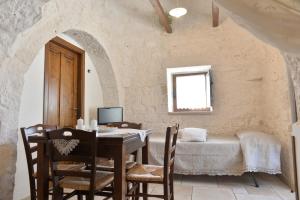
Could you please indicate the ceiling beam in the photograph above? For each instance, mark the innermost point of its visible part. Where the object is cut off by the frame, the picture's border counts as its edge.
(215, 15)
(163, 18)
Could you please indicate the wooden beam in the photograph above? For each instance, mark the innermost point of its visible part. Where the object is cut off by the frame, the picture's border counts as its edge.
(215, 15)
(163, 18)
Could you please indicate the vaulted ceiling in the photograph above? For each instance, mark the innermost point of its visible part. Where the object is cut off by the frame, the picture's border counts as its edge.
(274, 21)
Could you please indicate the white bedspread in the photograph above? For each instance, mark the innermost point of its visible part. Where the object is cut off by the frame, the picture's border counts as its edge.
(261, 152)
(219, 155)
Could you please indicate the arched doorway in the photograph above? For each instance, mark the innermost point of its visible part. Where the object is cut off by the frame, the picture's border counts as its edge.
(100, 90)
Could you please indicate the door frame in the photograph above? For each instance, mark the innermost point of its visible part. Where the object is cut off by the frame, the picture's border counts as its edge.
(81, 73)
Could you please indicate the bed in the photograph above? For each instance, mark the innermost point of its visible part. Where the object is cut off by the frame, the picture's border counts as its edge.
(219, 155)
(222, 155)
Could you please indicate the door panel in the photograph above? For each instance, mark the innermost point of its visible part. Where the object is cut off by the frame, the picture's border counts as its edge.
(61, 102)
(53, 86)
(68, 88)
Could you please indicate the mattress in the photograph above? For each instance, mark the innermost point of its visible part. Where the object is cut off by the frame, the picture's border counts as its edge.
(219, 155)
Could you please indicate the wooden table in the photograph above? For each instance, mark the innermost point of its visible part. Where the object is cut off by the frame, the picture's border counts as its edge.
(114, 146)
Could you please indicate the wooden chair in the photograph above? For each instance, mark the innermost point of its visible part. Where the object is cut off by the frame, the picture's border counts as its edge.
(30, 152)
(156, 174)
(108, 164)
(85, 181)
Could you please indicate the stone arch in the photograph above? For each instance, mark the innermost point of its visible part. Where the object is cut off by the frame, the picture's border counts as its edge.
(23, 34)
(103, 70)
(16, 66)
(102, 64)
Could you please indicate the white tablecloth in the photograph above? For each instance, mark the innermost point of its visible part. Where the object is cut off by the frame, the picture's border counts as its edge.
(120, 131)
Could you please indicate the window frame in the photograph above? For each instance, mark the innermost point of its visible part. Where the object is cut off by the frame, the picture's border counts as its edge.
(173, 73)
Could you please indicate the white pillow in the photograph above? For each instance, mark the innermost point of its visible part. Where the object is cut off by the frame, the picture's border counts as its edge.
(193, 134)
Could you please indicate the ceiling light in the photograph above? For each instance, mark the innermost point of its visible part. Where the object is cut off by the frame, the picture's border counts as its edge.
(178, 12)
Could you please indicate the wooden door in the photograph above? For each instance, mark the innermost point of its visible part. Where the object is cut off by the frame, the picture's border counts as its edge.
(63, 83)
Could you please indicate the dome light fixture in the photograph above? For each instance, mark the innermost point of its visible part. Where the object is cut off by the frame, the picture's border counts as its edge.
(178, 12)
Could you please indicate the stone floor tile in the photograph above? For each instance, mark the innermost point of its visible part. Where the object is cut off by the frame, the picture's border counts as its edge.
(205, 181)
(200, 193)
(255, 197)
(236, 183)
(261, 190)
(225, 188)
(283, 191)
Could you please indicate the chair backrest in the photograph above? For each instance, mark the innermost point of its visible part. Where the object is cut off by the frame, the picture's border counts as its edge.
(170, 147)
(126, 125)
(30, 151)
(132, 125)
(83, 152)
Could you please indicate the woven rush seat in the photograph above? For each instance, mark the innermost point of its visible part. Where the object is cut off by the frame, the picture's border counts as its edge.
(102, 179)
(65, 166)
(147, 174)
(142, 173)
(108, 165)
(86, 181)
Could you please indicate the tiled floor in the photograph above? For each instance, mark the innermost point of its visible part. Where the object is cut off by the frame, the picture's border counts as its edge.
(227, 188)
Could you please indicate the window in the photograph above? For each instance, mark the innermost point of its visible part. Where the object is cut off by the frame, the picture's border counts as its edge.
(189, 89)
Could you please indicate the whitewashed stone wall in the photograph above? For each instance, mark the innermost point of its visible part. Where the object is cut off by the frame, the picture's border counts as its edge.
(139, 52)
(293, 63)
(15, 17)
(103, 65)
(275, 111)
(236, 66)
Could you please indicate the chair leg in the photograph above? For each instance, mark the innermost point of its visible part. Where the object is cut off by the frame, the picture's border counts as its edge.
(128, 188)
(79, 197)
(32, 193)
(166, 191)
(89, 197)
(145, 190)
(57, 193)
(171, 184)
(172, 190)
(113, 188)
(137, 192)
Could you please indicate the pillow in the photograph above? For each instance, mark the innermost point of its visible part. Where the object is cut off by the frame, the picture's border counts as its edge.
(193, 134)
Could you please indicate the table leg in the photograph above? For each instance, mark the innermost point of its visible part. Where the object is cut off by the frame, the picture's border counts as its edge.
(120, 187)
(42, 172)
(145, 152)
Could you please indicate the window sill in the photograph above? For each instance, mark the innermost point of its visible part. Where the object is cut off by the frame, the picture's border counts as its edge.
(190, 112)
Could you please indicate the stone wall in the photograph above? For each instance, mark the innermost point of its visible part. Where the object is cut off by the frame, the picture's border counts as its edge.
(293, 63)
(237, 69)
(276, 116)
(7, 170)
(293, 67)
(139, 52)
